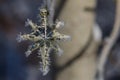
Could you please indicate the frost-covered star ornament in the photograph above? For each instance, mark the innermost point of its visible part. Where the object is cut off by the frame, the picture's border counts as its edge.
(45, 38)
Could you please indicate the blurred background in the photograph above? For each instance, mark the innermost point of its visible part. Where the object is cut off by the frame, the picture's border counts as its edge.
(88, 22)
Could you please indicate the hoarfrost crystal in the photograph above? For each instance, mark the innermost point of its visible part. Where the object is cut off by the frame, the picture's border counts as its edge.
(45, 38)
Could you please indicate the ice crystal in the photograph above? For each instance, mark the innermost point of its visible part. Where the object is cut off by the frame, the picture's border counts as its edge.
(45, 38)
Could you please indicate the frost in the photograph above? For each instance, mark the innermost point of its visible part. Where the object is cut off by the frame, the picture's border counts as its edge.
(60, 52)
(19, 38)
(27, 53)
(44, 70)
(44, 38)
(66, 37)
(60, 24)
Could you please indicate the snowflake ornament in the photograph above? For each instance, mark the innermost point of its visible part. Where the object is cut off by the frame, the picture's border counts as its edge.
(45, 38)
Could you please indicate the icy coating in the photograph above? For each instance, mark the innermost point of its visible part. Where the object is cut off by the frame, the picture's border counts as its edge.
(45, 38)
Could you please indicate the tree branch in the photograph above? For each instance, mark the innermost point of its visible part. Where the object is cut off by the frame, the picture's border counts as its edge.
(107, 48)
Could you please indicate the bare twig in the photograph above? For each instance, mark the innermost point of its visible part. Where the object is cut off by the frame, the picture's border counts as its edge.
(113, 37)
